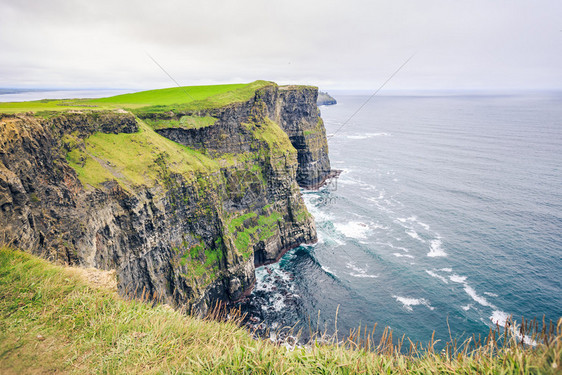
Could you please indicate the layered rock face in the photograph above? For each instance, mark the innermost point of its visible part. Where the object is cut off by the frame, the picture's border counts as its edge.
(293, 108)
(185, 225)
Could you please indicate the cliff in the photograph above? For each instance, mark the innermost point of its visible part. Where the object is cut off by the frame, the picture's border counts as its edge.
(183, 201)
(325, 99)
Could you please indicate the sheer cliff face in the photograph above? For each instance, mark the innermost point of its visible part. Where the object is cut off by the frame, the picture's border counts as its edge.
(293, 108)
(184, 225)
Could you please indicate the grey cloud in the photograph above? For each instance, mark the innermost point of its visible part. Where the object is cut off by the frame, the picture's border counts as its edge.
(353, 44)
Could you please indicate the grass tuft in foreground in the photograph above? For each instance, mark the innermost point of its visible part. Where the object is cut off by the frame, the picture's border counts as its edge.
(52, 320)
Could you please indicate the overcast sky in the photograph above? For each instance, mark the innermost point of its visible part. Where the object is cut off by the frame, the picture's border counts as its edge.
(476, 44)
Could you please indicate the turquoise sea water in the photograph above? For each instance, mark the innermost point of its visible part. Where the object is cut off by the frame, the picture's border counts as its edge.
(448, 213)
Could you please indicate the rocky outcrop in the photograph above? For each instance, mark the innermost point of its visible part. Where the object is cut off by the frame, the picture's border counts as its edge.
(325, 99)
(182, 225)
(293, 108)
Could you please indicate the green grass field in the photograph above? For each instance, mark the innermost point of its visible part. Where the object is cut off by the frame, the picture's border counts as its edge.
(52, 320)
(174, 95)
(159, 100)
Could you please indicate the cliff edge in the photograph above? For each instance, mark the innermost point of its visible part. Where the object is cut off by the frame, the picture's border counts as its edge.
(182, 200)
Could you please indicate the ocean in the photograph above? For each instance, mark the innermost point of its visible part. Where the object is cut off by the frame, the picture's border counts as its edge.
(447, 218)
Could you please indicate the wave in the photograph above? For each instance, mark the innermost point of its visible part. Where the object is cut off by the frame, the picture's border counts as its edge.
(435, 249)
(467, 307)
(412, 233)
(278, 303)
(409, 302)
(503, 319)
(470, 290)
(414, 219)
(457, 279)
(363, 275)
(399, 255)
(481, 300)
(318, 214)
(393, 246)
(433, 274)
(359, 272)
(353, 229)
(328, 271)
(268, 276)
(327, 238)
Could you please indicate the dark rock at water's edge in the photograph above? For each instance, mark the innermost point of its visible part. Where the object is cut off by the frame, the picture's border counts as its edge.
(188, 238)
(325, 99)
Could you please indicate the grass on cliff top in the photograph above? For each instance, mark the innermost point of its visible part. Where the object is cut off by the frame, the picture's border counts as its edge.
(131, 159)
(219, 99)
(173, 95)
(161, 100)
(52, 320)
(52, 105)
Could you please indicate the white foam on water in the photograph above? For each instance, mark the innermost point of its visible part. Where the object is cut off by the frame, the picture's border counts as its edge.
(328, 271)
(395, 247)
(348, 181)
(380, 206)
(446, 269)
(319, 215)
(357, 137)
(467, 307)
(269, 277)
(353, 229)
(359, 272)
(413, 219)
(457, 279)
(353, 267)
(491, 294)
(409, 302)
(481, 300)
(423, 225)
(324, 237)
(364, 275)
(378, 226)
(278, 303)
(433, 274)
(412, 233)
(502, 318)
(399, 255)
(499, 317)
(435, 249)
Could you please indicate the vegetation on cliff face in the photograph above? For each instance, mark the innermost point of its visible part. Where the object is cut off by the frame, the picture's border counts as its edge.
(151, 190)
(131, 159)
(52, 320)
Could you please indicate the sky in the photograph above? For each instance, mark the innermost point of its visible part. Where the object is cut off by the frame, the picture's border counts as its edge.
(354, 44)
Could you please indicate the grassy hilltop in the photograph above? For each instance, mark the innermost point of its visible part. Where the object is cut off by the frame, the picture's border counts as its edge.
(200, 96)
(54, 320)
